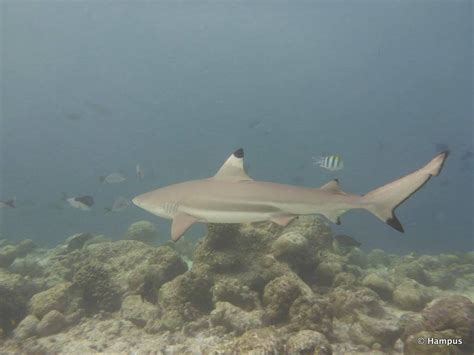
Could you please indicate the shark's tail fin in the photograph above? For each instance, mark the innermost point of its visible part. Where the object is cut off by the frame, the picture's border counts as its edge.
(383, 201)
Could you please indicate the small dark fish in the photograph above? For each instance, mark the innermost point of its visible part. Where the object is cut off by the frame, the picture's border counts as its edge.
(87, 200)
(77, 241)
(81, 202)
(467, 155)
(441, 147)
(346, 241)
(8, 204)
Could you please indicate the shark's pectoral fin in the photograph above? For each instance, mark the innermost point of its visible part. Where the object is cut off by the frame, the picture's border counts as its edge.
(181, 223)
(233, 168)
(283, 220)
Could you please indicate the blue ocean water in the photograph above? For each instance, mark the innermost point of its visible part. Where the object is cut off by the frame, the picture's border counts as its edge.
(90, 88)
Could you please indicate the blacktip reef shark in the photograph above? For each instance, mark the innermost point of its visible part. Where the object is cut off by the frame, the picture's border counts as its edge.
(231, 196)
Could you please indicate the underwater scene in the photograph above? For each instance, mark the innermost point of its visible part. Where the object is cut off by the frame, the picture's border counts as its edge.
(236, 177)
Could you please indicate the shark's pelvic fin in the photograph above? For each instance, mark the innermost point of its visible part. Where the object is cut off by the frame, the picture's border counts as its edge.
(233, 168)
(181, 223)
(383, 201)
(334, 216)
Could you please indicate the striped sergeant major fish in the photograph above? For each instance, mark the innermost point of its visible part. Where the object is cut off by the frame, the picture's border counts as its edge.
(330, 162)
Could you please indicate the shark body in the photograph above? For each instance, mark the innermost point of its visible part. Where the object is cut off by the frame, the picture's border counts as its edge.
(231, 196)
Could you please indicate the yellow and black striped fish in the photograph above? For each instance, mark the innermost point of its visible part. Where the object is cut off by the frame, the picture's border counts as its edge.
(330, 162)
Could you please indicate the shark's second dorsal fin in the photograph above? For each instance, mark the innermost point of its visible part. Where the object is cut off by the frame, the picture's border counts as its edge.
(332, 186)
(233, 168)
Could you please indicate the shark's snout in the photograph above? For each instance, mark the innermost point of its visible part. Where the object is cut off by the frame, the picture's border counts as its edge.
(139, 201)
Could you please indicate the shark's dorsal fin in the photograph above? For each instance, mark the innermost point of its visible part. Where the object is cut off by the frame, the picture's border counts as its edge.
(233, 168)
(332, 186)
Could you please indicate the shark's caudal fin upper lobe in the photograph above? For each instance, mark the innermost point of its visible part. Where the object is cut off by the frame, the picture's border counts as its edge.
(384, 200)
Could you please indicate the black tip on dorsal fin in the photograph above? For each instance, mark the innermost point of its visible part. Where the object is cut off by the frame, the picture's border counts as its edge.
(395, 223)
(239, 153)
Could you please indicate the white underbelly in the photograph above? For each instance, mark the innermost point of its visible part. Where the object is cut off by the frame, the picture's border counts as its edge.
(228, 216)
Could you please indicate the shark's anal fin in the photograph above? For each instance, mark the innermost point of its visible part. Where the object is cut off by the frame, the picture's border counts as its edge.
(334, 216)
(181, 223)
(233, 168)
(282, 220)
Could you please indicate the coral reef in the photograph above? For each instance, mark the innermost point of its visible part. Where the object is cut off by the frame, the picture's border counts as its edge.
(233, 291)
(15, 291)
(54, 298)
(143, 231)
(411, 296)
(251, 288)
(234, 318)
(184, 299)
(379, 284)
(138, 311)
(9, 252)
(308, 342)
(77, 241)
